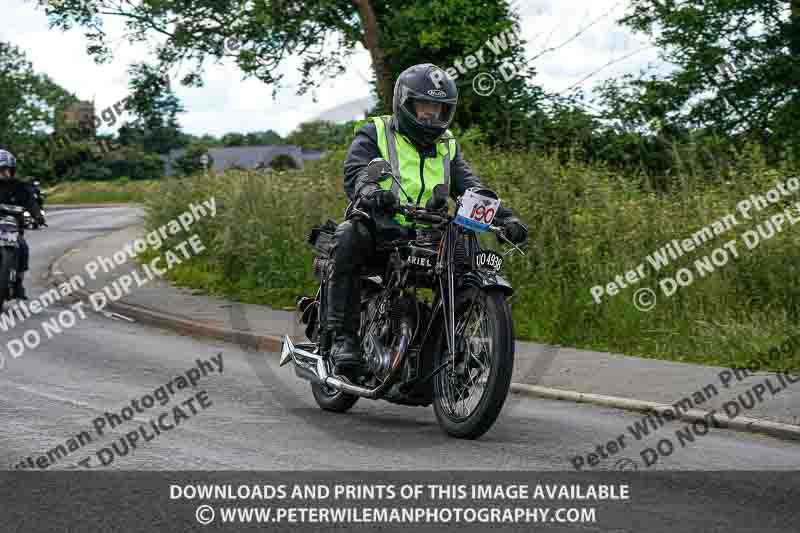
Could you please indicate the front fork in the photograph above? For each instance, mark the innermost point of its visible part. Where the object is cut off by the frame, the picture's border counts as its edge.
(446, 273)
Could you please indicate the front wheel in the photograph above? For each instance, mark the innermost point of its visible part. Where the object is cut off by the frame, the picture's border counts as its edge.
(8, 262)
(469, 391)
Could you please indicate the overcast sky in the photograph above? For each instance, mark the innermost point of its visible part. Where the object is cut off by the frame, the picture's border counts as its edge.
(228, 103)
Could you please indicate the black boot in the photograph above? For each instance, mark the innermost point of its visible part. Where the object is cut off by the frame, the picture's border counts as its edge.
(343, 320)
(353, 243)
(346, 356)
(19, 288)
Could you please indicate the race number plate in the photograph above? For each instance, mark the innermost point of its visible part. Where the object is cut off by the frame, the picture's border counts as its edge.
(489, 261)
(476, 211)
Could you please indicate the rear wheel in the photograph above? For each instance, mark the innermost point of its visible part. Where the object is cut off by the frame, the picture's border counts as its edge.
(326, 397)
(331, 399)
(469, 392)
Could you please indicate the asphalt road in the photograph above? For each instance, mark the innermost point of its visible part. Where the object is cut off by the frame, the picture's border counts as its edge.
(263, 417)
(257, 416)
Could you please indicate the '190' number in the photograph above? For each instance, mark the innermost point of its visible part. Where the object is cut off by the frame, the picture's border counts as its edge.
(481, 214)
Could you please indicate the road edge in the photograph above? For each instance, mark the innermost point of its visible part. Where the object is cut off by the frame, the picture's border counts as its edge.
(270, 343)
(67, 207)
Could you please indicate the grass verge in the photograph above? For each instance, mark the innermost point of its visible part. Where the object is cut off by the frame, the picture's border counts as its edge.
(587, 226)
(100, 192)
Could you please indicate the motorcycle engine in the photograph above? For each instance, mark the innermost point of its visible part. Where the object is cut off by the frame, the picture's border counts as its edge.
(376, 340)
(382, 340)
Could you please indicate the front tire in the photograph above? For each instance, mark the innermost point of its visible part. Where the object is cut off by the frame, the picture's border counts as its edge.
(488, 360)
(8, 261)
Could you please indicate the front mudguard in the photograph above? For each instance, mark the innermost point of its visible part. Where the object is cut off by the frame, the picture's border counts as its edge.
(480, 279)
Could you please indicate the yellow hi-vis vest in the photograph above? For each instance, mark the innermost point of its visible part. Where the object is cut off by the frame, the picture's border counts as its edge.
(417, 175)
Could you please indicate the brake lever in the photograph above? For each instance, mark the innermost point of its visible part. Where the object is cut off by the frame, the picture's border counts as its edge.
(499, 232)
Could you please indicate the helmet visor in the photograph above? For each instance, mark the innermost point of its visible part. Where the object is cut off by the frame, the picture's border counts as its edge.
(428, 111)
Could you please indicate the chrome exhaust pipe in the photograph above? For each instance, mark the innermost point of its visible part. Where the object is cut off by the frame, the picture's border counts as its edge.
(312, 367)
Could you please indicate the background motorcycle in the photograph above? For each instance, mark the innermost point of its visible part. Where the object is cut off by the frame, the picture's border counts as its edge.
(9, 250)
(436, 325)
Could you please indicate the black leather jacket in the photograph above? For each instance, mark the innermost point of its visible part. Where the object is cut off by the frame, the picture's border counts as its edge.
(364, 149)
(16, 192)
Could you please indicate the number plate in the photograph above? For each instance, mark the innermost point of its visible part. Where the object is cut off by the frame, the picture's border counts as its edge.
(476, 211)
(489, 261)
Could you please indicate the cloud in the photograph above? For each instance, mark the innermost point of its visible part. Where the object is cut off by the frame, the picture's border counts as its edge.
(229, 103)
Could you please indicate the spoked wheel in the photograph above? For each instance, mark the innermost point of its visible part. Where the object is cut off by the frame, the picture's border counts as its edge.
(469, 392)
(326, 397)
(331, 399)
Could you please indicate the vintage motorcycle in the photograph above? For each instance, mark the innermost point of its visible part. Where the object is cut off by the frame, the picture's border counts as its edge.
(9, 250)
(436, 325)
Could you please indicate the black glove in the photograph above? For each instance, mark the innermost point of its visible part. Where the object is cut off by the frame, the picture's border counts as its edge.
(382, 200)
(367, 183)
(515, 231)
(377, 168)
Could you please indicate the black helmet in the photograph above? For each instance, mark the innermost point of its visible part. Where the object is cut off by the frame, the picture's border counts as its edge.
(7, 160)
(424, 83)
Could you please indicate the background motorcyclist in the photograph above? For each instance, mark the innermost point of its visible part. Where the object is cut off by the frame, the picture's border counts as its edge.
(38, 194)
(16, 192)
(415, 145)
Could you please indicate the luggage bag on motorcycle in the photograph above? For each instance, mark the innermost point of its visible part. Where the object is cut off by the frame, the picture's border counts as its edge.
(321, 237)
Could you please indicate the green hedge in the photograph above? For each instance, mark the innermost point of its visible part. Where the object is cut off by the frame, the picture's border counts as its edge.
(587, 225)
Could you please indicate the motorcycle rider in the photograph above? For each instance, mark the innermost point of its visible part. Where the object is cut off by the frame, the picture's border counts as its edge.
(414, 145)
(16, 192)
(38, 194)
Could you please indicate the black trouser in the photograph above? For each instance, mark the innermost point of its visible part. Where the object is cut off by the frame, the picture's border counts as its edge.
(355, 246)
(23, 255)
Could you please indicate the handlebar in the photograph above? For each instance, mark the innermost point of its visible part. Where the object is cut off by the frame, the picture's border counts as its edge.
(15, 209)
(420, 214)
(429, 216)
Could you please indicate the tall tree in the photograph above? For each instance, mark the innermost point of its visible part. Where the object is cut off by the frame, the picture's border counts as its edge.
(262, 34)
(737, 65)
(29, 101)
(470, 39)
(156, 108)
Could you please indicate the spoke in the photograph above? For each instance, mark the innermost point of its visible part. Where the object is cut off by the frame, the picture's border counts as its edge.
(469, 315)
(464, 391)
